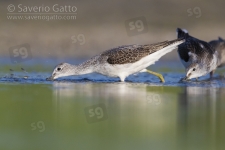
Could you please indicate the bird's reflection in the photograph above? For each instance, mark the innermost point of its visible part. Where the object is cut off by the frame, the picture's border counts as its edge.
(88, 94)
(126, 103)
(141, 111)
(198, 116)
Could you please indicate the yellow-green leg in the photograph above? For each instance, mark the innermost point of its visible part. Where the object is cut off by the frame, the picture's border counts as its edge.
(156, 74)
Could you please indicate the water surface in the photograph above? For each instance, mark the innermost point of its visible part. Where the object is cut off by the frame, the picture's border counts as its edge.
(98, 112)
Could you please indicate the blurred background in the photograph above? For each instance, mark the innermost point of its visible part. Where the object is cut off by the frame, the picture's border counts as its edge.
(101, 25)
(141, 113)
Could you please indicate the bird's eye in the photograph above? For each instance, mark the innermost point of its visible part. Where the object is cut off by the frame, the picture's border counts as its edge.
(194, 69)
(58, 69)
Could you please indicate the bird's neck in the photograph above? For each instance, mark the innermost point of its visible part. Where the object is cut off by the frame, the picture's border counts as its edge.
(84, 68)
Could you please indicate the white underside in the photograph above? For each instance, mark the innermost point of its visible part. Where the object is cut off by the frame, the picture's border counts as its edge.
(124, 70)
(214, 62)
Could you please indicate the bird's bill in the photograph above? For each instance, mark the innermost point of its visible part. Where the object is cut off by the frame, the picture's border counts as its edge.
(51, 78)
(183, 79)
(186, 78)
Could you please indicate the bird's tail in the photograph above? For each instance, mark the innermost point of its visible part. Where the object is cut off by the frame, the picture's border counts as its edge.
(182, 33)
(221, 39)
(161, 45)
(177, 41)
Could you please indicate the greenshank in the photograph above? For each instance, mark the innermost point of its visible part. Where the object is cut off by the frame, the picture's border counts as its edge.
(121, 61)
(198, 57)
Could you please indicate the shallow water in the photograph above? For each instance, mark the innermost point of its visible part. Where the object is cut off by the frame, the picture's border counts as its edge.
(172, 79)
(97, 112)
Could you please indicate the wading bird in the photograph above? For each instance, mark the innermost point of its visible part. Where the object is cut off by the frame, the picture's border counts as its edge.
(121, 61)
(198, 57)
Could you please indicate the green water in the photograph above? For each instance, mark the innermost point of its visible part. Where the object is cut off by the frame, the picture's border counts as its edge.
(110, 116)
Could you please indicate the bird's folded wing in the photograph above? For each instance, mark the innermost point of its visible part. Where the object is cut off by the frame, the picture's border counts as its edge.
(132, 53)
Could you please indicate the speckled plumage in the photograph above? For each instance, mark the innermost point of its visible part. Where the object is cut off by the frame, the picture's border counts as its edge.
(219, 46)
(132, 53)
(195, 51)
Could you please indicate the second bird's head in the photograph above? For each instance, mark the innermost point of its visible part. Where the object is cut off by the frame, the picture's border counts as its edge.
(195, 70)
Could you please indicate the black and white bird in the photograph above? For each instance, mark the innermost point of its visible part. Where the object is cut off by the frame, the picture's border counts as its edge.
(198, 57)
(219, 46)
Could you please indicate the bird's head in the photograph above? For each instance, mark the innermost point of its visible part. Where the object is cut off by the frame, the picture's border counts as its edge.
(194, 70)
(61, 70)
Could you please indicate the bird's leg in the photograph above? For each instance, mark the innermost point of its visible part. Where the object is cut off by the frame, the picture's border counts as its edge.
(211, 74)
(156, 74)
(122, 79)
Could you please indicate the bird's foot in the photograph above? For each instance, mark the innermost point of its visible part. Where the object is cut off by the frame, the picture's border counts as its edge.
(156, 74)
